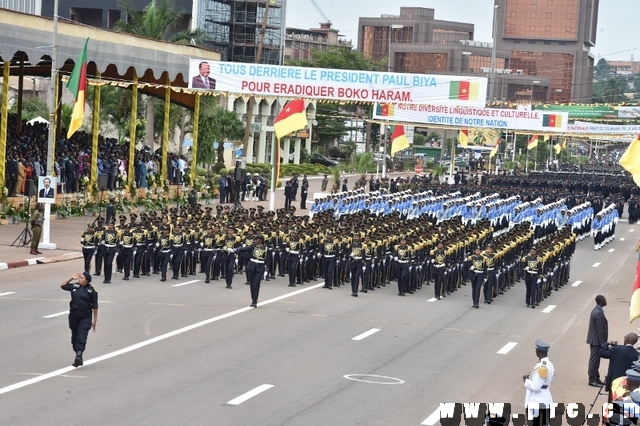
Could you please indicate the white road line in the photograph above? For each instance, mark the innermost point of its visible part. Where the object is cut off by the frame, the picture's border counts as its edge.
(366, 334)
(506, 348)
(623, 220)
(187, 283)
(612, 250)
(622, 239)
(548, 309)
(433, 299)
(56, 315)
(595, 265)
(631, 230)
(73, 252)
(242, 398)
(7, 293)
(576, 284)
(156, 339)
(432, 419)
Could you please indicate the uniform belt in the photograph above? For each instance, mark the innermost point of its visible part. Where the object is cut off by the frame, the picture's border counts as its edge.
(177, 245)
(208, 249)
(257, 261)
(439, 266)
(293, 252)
(165, 250)
(329, 255)
(533, 273)
(109, 245)
(356, 258)
(89, 247)
(127, 246)
(490, 269)
(403, 261)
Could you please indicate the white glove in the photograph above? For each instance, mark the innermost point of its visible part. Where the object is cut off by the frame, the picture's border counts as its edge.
(116, 255)
(364, 268)
(95, 252)
(287, 249)
(395, 258)
(264, 276)
(134, 252)
(157, 244)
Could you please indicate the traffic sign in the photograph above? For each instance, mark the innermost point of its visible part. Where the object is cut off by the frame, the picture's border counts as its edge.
(418, 169)
(238, 153)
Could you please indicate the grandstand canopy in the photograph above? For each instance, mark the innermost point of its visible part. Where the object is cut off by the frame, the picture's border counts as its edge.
(114, 55)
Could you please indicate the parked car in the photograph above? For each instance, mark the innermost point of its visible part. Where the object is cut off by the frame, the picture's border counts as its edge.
(321, 159)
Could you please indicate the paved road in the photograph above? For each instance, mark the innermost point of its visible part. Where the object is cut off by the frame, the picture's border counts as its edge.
(172, 354)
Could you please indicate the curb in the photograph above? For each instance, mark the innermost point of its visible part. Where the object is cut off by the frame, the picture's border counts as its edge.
(19, 263)
(39, 260)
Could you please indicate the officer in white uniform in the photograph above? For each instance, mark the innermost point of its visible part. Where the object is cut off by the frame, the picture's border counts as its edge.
(537, 386)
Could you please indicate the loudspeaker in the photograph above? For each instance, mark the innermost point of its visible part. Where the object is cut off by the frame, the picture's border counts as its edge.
(30, 188)
(239, 174)
(103, 181)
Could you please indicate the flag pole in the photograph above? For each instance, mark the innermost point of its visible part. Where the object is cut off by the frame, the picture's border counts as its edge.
(46, 226)
(274, 183)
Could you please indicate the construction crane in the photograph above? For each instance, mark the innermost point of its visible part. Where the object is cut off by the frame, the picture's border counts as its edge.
(313, 2)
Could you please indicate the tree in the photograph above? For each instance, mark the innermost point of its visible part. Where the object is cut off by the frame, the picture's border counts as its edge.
(433, 137)
(32, 108)
(157, 21)
(610, 90)
(216, 124)
(419, 139)
(602, 69)
(330, 128)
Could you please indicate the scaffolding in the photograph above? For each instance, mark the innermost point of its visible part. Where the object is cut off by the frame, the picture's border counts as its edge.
(234, 26)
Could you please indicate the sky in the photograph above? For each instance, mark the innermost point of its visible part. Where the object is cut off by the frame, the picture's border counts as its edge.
(616, 40)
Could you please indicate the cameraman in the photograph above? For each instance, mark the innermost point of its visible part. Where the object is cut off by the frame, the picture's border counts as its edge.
(620, 358)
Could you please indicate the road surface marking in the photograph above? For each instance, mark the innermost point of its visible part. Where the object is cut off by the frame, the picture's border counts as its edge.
(433, 299)
(506, 348)
(623, 220)
(242, 398)
(576, 284)
(366, 334)
(612, 250)
(622, 239)
(156, 339)
(7, 293)
(73, 252)
(377, 379)
(187, 283)
(56, 315)
(548, 309)
(595, 265)
(631, 230)
(432, 419)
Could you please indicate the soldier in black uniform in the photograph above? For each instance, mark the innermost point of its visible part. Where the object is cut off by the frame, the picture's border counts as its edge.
(438, 263)
(110, 241)
(207, 245)
(477, 270)
(231, 242)
(164, 251)
(89, 246)
(256, 270)
(329, 250)
(120, 228)
(402, 256)
(178, 249)
(140, 251)
(99, 233)
(356, 265)
(84, 304)
(490, 285)
(127, 246)
(533, 266)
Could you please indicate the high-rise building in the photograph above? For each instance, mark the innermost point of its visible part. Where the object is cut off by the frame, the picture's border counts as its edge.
(300, 42)
(552, 39)
(234, 28)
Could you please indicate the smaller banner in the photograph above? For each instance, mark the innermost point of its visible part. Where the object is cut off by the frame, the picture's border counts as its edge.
(581, 127)
(462, 116)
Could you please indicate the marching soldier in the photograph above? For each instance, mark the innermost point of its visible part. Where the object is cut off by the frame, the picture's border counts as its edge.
(477, 270)
(538, 398)
(164, 251)
(231, 242)
(256, 271)
(127, 247)
(99, 236)
(208, 247)
(140, 252)
(533, 267)
(120, 228)
(110, 241)
(89, 246)
(178, 250)
(490, 284)
(402, 257)
(438, 263)
(356, 266)
(294, 246)
(328, 252)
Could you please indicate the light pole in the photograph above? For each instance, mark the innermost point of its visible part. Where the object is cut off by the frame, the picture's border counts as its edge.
(462, 55)
(493, 53)
(386, 134)
(533, 83)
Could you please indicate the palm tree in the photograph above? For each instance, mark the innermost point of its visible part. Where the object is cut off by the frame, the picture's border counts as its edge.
(157, 21)
(226, 126)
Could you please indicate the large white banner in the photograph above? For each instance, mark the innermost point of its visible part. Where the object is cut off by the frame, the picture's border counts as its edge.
(332, 84)
(580, 127)
(464, 117)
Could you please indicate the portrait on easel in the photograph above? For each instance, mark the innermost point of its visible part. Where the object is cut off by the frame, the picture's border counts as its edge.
(47, 189)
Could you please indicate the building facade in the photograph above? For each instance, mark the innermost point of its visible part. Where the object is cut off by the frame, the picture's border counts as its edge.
(552, 39)
(299, 43)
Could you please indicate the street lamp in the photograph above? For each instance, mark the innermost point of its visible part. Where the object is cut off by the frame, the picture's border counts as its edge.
(384, 156)
(493, 52)
(463, 54)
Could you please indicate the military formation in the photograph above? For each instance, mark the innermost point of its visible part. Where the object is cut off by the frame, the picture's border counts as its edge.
(362, 240)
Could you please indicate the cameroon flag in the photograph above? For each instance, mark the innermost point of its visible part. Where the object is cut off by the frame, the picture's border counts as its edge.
(399, 140)
(464, 90)
(77, 84)
(533, 142)
(463, 137)
(385, 110)
(551, 120)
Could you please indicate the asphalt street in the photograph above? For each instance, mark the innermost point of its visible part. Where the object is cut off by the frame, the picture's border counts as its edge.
(188, 353)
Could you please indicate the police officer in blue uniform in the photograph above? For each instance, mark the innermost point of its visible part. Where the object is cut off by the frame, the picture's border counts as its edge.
(84, 304)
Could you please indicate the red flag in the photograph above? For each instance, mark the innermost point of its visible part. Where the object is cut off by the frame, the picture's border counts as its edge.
(77, 84)
(292, 117)
(634, 306)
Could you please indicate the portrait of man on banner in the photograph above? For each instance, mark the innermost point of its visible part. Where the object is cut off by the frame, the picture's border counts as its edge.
(483, 137)
(47, 189)
(201, 79)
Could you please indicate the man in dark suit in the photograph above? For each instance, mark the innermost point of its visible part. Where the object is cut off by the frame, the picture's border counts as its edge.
(47, 191)
(111, 210)
(621, 358)
(202, 80)
(597, 335)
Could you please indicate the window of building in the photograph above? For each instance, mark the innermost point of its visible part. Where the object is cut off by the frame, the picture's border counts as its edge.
(549, 15)
(547, 42)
